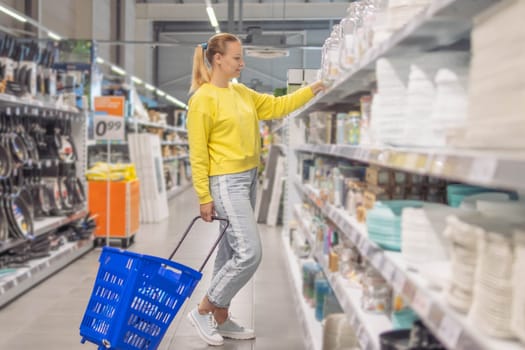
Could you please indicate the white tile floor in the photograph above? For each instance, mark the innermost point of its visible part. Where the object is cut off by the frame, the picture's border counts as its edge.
(49, 315)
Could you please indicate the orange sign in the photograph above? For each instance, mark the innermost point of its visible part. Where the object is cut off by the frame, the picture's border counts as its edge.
(112, 105)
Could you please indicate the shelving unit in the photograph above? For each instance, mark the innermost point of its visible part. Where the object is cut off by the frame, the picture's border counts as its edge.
(448, 325)
(13, 285)
(133, 121)
(306, 314)
(19, 280)
(169, 159)
(442, 23)
(12, 105)
(46, 224)
(173, 143)
(476, 167)
(368, 326)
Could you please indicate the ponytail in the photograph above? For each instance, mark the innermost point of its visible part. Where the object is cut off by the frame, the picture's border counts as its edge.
(201, 73)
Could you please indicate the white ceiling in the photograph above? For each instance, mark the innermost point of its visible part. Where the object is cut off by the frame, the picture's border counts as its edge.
(305, 24)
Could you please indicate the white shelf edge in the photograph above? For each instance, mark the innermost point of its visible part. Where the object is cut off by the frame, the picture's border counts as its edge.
(5, 98)
(304, 226)
(46, 224)
(311, 327)
(156, 125)
(168, 159)
(429, 305)
(13, 285)
(173, 143)
(175, 191)
(498, 169)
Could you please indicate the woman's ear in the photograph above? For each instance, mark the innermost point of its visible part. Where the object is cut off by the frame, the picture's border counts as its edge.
(217, 58)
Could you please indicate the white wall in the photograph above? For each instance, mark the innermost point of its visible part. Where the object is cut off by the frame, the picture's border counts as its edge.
(128, 33)
(101, 26)
(143, 59)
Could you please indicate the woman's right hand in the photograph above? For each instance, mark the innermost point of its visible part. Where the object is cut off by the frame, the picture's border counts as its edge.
(207, 211)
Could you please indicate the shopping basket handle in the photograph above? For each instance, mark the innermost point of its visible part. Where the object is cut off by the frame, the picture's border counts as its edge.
(214, 245)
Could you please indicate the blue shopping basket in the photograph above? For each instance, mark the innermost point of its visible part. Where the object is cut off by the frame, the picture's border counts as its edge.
(135, 297)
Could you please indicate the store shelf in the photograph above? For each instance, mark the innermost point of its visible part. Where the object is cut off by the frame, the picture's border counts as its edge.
(367, 326)
(46, 224)
(132, 121)
(13, 285)
(12, 105)
(169, 159)
(475, 167)
(449, 326)
(173, 143)
(306, 314)
(175, 191)
(304, 224)
(442, 23)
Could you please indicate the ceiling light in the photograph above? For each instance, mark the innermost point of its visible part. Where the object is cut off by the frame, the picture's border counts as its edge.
(149, 87)
(100, 60)
(12, 14)
(53, 35)
(136, 80)
(175, 101)
(211, 16)
(160, 92)
(217, 30)
(118, 70)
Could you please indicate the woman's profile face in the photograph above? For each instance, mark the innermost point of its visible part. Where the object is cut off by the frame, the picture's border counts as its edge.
(232, 62)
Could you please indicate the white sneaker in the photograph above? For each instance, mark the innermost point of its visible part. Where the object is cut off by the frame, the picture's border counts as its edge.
(231, 329)
(206, 327)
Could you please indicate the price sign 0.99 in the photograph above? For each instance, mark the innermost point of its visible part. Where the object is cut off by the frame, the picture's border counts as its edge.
(108, 128)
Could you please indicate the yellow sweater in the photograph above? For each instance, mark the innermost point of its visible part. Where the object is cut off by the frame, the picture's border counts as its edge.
(223, 129)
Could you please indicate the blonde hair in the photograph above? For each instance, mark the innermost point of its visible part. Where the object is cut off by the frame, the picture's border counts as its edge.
(201, 72)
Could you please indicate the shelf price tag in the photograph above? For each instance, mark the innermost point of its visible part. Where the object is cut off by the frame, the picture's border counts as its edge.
(377, 260)
(411, 161)
(399, 281)
(421, 304)
(108, 128)
(438, 164)
(483, 170)
(388, 270)
(449, 332)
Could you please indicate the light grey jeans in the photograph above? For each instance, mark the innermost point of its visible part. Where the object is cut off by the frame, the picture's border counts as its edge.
(240, 251)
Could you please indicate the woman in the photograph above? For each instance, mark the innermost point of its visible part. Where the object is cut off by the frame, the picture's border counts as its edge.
(224, 142)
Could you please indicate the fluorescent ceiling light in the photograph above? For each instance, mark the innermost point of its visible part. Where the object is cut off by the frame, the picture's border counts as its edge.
(118, 70)
(211, 16)
(136, 80)
(12, 14)
(217, 30)
(175, 101)
(53, 35)
(150, 87)
(100, 60)
(160, 92)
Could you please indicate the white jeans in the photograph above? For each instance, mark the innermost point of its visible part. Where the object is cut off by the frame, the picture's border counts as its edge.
(240, 250)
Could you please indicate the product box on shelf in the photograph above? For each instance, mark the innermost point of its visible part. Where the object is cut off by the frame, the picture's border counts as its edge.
(124, 203)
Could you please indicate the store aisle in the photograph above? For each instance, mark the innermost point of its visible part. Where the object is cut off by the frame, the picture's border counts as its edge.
(48, 316)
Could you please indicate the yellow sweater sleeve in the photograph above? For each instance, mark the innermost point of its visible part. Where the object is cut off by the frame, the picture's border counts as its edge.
(199, 125)
(271, 107)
